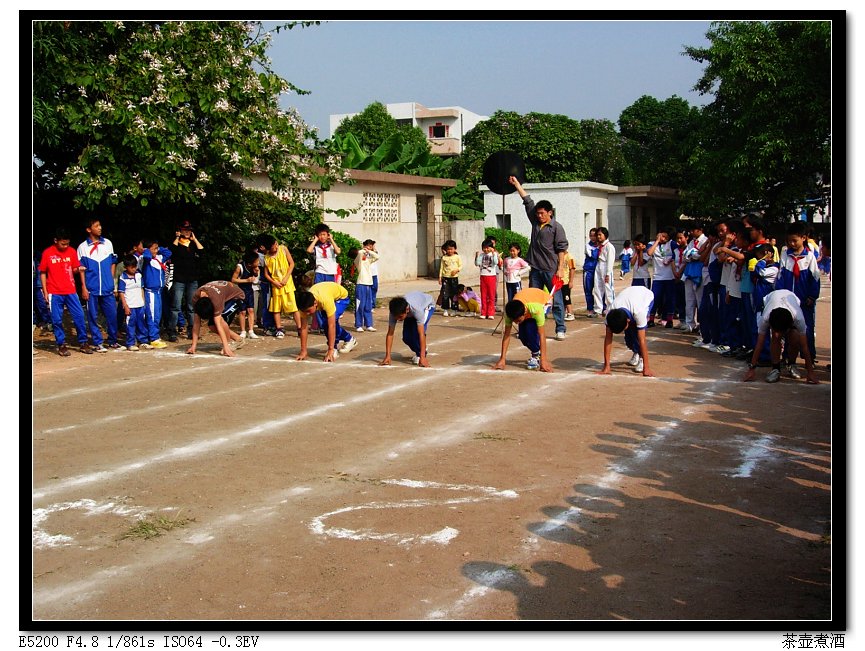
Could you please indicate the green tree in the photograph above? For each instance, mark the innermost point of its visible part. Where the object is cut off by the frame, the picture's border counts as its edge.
(551, 146)
(412, 158)
(374, 125)
(604, 154)
(160, 111)
(766, 138)
(657, 140)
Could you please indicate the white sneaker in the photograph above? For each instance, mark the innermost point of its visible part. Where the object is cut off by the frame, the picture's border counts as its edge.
(685, 327)
(639, 367)
(371, 329)
(698, 343)
(237, 343)
(133, 347)
(560, 336)
(774, 375)
(359, 329)
(722, 348)
(635, 359)
(243, 334)
(348, 346)
(569, 317)
(100, 349)
(415, 360)
(533, 364)
(251, 335)
(445, 313)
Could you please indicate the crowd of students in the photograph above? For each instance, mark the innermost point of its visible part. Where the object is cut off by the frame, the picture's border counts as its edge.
(714, 282)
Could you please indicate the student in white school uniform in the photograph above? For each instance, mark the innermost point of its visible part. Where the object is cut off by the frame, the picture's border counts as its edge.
(782, 319)
(603, 292)
(630, 314)
(363, 260)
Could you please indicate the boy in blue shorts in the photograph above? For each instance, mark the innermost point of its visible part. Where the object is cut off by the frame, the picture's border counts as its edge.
(528, 310)
(630, 314)
(415, 311)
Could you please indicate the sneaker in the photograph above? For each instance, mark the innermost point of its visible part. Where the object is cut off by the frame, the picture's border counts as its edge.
(133, 348)
(639, 367)
(569, 317)
(359, 329)
(560, 336)
(237, 343)
(745, 354)
(348, 346)
(732, 353)
(445, 313)
(371, 329)
(651, 324)
(172, 338)
(63, 351)
(158, 344)
(270, 332)
(243, 334)
(534, 363)
(774, 375)
(189, 334)
(145, 346)
(699, 343)
(279, 333)
(86, 349)
(114, 346)
(684, 327)
(415, 360)
(251, 335)
(635, 359)
(722, 348)
(100, 349)
(794, 372)
(669, 324)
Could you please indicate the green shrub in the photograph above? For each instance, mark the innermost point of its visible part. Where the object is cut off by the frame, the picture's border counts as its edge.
(504, 239)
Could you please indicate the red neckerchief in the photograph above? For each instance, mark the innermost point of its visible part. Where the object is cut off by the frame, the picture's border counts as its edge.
(324, 249)
(753, 244)
(796, 257)
(95, 246)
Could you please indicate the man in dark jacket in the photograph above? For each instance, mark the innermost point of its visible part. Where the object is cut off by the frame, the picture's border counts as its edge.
(547, 250)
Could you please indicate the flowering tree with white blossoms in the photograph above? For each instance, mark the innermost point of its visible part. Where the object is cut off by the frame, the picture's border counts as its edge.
(158, 111)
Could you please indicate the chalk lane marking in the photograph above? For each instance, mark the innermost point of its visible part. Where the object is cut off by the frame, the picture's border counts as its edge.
(205, 446)
(441, 537)
(44, 540)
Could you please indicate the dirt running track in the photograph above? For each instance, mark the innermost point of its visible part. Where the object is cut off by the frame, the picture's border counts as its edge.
(315, 491)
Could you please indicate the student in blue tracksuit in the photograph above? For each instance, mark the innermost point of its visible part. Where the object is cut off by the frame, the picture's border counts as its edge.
(590, 263)
(98, 261)
(799, 273)
(153, 279)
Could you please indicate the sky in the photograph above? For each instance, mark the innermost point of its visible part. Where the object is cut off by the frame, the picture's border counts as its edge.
(581, 69)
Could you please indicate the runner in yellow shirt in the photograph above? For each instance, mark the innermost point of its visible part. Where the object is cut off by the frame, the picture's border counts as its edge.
(331, 300)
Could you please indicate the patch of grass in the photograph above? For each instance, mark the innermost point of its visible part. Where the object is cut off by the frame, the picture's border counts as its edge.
(153, 527)
(483, 436)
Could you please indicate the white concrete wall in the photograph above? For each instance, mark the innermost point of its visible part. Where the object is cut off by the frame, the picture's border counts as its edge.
(397, 242)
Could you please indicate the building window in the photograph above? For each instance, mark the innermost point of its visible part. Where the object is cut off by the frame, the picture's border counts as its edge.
(439, 130)
(503, 221)
(404, 122)
(381, 207)
(599, 217)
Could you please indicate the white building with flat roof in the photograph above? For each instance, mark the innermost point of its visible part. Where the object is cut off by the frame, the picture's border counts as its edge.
(445, 127)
